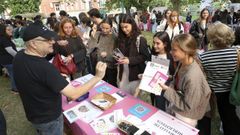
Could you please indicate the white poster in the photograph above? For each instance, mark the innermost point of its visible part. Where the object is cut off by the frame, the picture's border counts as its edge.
(162, 123)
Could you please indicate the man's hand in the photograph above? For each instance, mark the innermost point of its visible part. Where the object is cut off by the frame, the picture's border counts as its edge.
(101, 69)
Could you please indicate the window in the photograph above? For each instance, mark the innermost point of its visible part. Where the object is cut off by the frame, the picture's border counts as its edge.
(57, 6)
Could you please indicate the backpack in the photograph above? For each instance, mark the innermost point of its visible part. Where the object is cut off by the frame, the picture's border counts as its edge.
(148, 55)
(138, 44)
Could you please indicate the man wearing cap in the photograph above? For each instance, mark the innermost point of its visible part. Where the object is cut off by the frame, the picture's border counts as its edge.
(41, 85)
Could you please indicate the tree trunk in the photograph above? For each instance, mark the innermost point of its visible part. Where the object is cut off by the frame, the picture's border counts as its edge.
(176, 4)
(128, 11)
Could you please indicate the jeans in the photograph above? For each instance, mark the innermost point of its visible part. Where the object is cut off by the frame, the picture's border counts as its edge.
(9, 68)
(54, 127)
(3, 129)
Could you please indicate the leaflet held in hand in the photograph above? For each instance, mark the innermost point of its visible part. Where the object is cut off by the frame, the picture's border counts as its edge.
(153, 74)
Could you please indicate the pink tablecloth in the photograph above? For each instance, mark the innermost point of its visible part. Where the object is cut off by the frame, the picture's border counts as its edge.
(81, 128)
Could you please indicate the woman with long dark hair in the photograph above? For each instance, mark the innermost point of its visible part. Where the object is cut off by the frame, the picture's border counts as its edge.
(199, 29)
(7, 52)
(161, 50)
(135, 50)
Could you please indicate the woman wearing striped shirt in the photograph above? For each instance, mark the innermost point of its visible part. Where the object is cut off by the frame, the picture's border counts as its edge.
(220, 65)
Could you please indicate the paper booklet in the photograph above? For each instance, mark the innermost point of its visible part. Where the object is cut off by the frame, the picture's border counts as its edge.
(107, 122)
(84, 111)
(153, 74)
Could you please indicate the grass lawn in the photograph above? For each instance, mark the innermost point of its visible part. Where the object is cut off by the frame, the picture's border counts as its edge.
(12, 108)
(17, 123)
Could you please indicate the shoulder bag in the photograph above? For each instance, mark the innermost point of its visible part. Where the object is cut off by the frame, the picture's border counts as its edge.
(234, 96)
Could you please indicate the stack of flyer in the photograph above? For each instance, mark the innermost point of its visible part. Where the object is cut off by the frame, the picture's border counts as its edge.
(154, 73)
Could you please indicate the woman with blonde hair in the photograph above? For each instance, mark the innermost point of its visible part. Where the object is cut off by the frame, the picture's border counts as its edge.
(71, 46)
(220, 65)
(187, 94)
(164, 21)
(173, 26)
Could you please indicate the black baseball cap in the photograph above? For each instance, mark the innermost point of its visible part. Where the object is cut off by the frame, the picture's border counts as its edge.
(37, 29)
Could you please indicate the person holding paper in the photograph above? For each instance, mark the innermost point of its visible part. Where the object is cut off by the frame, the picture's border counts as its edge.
(161, 50)
(136, 53)
(189, 92)
(41, 85)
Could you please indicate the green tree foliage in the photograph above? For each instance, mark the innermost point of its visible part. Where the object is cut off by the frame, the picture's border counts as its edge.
(177, 4)
(143, 4)
(3, 6)
(127, 4)
(23, 6)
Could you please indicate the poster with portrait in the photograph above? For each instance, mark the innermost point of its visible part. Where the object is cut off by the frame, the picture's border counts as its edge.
(84, 111)
(104, 124)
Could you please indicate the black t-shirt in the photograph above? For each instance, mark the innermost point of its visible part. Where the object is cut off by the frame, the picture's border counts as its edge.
(5, 57)
(39, 85)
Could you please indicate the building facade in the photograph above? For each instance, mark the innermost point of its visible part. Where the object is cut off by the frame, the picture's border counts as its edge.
(72, 7)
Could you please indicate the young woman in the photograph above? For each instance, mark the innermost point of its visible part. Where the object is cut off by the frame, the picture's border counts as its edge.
(189, 92)
(164, 21)
(199, 29)
(106, 42)
(7, 52)
(220, 65)
(71, 46)
(161, 50)
(173, 27)
(135, 54)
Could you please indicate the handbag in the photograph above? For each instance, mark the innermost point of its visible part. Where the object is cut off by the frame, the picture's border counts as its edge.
(234, 96)
(69, 68)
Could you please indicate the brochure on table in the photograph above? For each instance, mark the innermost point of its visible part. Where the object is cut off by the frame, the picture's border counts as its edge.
(84, 111)
(162, 123)
(86, 78)
(154, 73)
(107, 122)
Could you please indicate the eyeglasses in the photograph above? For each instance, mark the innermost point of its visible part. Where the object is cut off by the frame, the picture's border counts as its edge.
(45, 40)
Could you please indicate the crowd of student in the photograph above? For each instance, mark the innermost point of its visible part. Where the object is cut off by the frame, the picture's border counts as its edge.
(202, 63)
